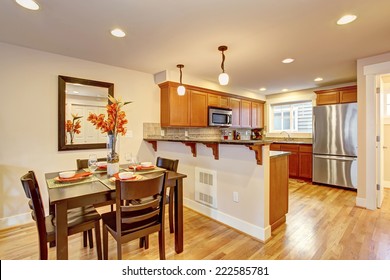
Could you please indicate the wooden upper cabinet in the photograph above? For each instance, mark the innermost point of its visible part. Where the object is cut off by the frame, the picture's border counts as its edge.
(257, 114)
(235, 105)
(336, 95)
(174, 108)
(191, 109)
(198, 108)
(245, 114)
(348, 95)
(217, 100)
(225, 102)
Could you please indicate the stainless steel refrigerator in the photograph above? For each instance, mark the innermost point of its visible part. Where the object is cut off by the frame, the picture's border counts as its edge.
(335, 145)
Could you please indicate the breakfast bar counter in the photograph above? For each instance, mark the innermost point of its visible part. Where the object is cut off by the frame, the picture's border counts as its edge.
(254, 145)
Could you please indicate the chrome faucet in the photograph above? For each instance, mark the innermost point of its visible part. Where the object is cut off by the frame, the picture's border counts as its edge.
(288, 135)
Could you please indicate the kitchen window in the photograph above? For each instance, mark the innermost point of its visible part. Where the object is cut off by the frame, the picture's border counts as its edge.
(291, 117)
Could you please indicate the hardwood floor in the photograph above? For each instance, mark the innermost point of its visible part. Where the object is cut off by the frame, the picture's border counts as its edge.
(323, 223)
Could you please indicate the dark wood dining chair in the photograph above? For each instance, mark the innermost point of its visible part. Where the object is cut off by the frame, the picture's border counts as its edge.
(83, 163)
(80, 219)
(171, 165)
(144, 216)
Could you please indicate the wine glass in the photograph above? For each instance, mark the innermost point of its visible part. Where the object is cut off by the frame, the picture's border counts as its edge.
(128, 157)
(134, 163)
(92, 162)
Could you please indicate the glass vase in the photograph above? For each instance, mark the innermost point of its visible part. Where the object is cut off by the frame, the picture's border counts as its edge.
(112, 154)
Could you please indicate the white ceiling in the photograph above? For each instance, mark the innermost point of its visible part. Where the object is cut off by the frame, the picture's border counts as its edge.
(258, 33)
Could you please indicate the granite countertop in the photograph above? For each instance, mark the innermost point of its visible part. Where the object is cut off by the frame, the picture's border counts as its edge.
(291, 141)
(220, 141)
(198, 140)
(278, 153)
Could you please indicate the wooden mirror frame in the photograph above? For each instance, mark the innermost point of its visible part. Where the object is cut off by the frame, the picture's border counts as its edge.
(62, 80)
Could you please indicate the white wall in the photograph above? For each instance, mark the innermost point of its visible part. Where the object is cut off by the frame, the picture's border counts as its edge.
(366, 136)
(28, 118)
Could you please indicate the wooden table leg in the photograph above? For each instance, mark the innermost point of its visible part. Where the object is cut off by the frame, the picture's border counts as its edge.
(61, 231)
(179, 239)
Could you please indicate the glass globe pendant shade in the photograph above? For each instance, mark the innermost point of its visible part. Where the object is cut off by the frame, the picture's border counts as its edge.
(223, 79)
(181, 90)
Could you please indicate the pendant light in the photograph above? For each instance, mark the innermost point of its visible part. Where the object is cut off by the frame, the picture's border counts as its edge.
(181, 90)
(223, 77)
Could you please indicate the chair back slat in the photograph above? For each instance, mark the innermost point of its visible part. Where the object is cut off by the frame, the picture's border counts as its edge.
(147, 195)
(136, 205)
(141, 217)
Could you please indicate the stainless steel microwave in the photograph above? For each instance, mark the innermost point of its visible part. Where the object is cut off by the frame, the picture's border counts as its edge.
(220, 116)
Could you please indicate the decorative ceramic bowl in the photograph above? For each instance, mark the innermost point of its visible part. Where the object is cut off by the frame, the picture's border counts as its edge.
(125, 175)
(146, 164)
(67, 174)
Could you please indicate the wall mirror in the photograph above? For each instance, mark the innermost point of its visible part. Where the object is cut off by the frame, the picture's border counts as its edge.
(76, 99)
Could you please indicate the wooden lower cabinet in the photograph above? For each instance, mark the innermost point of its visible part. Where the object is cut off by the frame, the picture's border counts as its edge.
(278, 190)
(293, 159)
(305, 161)
(300, 159)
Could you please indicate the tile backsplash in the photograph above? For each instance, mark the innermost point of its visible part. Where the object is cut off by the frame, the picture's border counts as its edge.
(154, 130)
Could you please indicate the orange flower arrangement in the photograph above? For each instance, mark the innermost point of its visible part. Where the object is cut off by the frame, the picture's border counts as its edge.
(116, 120)
(73, 126)
(113, 125)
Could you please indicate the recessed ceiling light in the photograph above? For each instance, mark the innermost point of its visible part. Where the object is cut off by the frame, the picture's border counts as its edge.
(118, 33)
(28, 4)
(288, 60)
(318, 79)
(346, 19)
(285, 89)
(263, 89)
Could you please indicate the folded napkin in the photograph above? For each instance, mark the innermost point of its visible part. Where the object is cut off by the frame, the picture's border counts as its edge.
(140, 167)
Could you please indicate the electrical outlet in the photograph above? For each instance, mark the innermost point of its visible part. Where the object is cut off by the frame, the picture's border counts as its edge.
(235, 196)
(162, 132)
(186, 133)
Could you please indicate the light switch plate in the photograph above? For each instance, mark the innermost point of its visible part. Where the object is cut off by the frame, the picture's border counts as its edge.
(235, 196)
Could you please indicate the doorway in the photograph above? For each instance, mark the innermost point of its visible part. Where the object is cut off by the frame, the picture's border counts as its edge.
(383, 134)
(369, 169)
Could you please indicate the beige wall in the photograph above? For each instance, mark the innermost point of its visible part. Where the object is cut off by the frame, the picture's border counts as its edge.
(28, 118)
(28, 122)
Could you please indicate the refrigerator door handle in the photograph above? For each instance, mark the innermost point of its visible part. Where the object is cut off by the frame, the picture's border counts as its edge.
(337, 158)
(314, 129)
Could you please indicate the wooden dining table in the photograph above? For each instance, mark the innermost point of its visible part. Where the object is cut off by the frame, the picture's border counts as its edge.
(95, 191)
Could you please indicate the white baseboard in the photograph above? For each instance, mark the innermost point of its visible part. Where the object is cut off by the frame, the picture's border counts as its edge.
(15, 220)
(386, 184)
(361, 202)
(262, 234)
